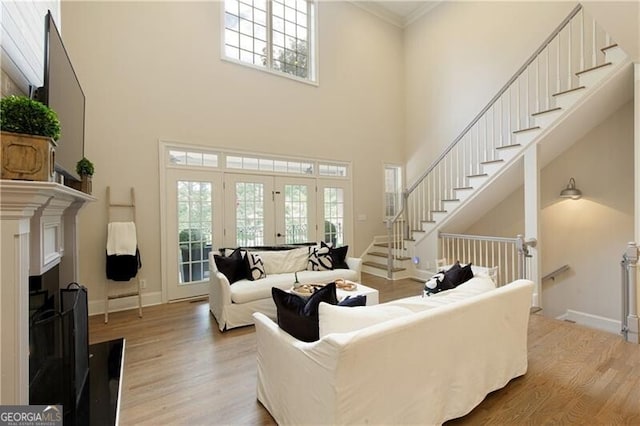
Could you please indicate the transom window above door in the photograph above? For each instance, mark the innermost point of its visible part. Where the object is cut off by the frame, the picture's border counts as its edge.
(273, 35)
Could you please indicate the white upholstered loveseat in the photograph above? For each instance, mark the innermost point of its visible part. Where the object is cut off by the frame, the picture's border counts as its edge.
(433, 363)
(232, 305)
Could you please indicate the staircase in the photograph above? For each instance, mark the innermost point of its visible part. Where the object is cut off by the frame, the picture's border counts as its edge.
(575, 63)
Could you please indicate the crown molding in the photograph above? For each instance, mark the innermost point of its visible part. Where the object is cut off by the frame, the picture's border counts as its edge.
(386, 15)
(379, 11)
(421, 11)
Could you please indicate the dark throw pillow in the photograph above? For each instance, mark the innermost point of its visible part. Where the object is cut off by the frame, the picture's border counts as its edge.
(298, 316)
(231, 266)
(457, 274)
(338, 256)
(360, 300)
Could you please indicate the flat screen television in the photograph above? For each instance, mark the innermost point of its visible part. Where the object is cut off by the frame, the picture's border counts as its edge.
(62, 93)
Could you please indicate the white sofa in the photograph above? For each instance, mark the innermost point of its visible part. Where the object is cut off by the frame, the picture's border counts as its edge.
(434, 363)
(232, 305)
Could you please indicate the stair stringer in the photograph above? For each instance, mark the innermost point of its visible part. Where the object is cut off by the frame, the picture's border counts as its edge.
(597, 103)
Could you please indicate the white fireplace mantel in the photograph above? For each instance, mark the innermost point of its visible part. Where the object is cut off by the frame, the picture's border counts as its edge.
(38, 230)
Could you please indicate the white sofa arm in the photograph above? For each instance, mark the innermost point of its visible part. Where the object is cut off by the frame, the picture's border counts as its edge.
(355, 263)
(285, 364)
(219, 292)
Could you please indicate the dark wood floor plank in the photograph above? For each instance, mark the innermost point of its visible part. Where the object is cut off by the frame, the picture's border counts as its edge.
(180, 369)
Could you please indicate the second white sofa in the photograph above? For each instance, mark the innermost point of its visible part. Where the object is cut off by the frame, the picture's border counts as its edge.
(232, 305)
(435, 361)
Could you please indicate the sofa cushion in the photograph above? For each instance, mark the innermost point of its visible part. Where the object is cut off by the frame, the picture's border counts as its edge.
(244, 291)
(299, 316)
(284, 261)
(338, 319)
(473, 287)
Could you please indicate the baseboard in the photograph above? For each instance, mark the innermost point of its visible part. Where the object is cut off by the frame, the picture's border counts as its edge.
(96, 307)
(593, 321)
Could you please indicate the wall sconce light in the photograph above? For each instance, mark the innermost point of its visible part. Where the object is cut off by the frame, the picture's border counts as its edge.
(571, 191)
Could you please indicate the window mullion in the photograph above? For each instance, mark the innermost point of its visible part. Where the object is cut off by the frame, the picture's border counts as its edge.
(269, 35)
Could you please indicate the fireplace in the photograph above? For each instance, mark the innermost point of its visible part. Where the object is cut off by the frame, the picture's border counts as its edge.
(39, 234)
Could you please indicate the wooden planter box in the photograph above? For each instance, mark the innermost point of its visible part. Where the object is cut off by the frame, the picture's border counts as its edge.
(84, 185)
(27, 157)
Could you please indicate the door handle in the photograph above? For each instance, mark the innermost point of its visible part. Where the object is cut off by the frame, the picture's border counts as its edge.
(279, 235)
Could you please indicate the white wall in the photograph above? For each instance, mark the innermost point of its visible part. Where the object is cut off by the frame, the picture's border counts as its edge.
(457, 58)
(589, 234)
(152, 70)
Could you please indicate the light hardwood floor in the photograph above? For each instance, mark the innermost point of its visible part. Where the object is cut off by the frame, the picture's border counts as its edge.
(180, 369)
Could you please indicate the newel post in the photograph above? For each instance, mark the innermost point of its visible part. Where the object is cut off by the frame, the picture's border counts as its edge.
(631, 330)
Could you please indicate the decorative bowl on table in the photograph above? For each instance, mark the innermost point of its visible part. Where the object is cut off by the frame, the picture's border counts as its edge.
(346, 285)
(305, 290)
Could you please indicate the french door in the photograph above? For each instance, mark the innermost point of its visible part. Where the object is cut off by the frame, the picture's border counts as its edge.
(194, 228)
(267, 210)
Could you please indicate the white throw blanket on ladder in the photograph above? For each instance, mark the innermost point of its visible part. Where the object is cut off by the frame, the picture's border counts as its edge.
(121, 238)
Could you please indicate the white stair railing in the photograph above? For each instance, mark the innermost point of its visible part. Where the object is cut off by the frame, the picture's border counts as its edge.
(630, 323)
(508, 121)
(510, 255)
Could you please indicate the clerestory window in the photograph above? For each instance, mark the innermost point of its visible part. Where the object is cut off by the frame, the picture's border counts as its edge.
(274, 35)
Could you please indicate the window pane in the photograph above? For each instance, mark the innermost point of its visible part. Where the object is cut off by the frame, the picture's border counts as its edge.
(246, 56)
(194, 159)
(230, 21)
(392, 189)
(260, 32)
(234, 162)
(231, 6)
(231, 38)
(210, 160)
(295, 214)
(290, 14)
(246, 11)
(277, 9)
(246, 27)
(249, 214)
(177, 157)
(278, 39)
(260, 17)
(278, 24)
(334, 216)
(232, 52)
(194, 230)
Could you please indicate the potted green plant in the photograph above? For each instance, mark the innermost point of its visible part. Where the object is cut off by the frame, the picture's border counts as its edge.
(29, 131)
(85, 169)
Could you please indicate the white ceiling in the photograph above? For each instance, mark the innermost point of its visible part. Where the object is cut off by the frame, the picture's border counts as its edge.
(399, 13)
